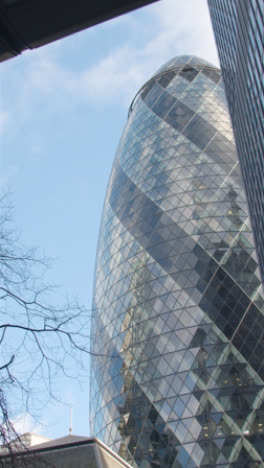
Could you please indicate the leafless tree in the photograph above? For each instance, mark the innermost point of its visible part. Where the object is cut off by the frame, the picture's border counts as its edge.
(37, 340)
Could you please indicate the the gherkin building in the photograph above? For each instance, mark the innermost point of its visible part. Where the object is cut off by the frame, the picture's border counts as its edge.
(177, 373)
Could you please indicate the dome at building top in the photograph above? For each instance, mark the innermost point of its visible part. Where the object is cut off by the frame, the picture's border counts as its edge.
(186, 62)
(181, 60)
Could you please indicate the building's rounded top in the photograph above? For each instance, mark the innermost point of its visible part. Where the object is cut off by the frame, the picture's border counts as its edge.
(182, 60)
(177, 64)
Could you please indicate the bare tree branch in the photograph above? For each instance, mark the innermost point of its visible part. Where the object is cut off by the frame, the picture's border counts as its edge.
(38, 340)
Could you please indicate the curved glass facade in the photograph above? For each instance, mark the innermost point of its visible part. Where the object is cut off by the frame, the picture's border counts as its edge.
(177, 373)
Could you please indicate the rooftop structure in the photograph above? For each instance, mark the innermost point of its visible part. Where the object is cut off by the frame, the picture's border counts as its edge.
(65, 452)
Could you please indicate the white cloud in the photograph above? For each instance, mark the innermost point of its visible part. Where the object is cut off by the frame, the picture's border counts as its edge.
(184, 28)
(4, 119)
(26, 423)
(178, 28)
(117, 75)
(173, 28)
(7, 177)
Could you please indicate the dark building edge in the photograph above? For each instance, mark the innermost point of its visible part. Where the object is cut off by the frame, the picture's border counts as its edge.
(27, 24)
(238, 30)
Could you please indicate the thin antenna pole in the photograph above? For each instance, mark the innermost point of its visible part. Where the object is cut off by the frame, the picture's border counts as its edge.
(70, 429)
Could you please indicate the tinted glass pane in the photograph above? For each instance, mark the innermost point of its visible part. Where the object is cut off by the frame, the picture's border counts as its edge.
(199, 131)
(163, 104)
(179, 116)
(189, 73)
(165, 79)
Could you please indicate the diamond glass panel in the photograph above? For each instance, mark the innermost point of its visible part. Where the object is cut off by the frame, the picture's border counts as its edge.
(177, 372)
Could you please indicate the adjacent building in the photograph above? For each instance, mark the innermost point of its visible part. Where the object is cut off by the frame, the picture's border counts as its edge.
(239, 31)
(177, 376)
(34, 451)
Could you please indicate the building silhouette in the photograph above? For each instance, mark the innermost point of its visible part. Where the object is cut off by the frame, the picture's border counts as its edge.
(239, 34)
(33, 451)
(177, 330)
(27, 24)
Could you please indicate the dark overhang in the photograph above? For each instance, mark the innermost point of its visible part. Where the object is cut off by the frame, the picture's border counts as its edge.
(26, 24)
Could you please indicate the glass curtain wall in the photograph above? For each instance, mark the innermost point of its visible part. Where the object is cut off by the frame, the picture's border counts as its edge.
(177, 371)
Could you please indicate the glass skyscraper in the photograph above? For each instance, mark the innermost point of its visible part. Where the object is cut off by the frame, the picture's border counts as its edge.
(239, 31)
(177, 335)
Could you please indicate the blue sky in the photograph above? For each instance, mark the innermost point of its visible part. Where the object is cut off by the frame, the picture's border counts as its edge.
(63, 109)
